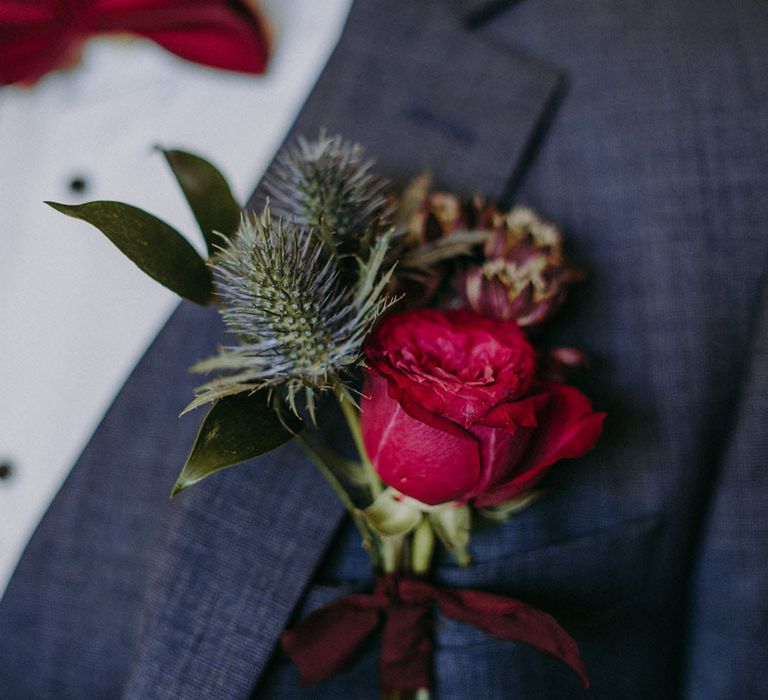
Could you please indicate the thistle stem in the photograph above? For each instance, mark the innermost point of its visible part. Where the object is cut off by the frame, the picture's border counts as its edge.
(353, 421)
(327, 472)
(344, 497)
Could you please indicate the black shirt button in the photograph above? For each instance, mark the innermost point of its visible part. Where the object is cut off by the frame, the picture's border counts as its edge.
(78, 184)
(5, 469)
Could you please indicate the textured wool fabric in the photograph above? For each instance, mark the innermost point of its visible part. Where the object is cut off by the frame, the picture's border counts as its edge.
(649, 550)
(728, 619)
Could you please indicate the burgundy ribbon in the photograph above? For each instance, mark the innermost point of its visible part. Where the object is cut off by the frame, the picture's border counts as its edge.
(328, 638)
(37, 36)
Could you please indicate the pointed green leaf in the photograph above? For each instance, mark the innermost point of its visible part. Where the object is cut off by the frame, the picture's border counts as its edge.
(236, 429)
(157, 248)
(208, 194)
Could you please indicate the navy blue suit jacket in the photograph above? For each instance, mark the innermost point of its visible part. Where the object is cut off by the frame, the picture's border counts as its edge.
(640, 127)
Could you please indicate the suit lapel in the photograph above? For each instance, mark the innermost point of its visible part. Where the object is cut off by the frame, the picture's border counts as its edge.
(408, 82)
(423, 93)
(234, 559)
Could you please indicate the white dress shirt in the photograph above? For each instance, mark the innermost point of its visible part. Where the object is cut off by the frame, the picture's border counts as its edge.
(75, 315)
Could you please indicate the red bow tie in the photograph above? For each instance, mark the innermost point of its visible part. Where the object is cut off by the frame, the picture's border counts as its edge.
(37, 36)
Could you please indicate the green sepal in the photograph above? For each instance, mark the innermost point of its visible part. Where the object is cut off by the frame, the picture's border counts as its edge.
(507, 509)
(391, 514)
(154, 246)
(208, 194)
(453, 524)
(236, 429)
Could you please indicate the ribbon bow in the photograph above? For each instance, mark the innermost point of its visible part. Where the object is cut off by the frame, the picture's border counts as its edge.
(37, 36)
(328, 638)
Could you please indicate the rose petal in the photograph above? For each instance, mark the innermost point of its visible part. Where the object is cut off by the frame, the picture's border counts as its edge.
(455, 364)
(500, 451)
(504, 435)
(512, 415)
(414, 456)
(567, 428)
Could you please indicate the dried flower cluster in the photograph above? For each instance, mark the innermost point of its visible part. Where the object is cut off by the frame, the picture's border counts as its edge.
(512, 263)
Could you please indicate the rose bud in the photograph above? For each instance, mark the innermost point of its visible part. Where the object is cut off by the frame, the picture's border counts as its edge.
(452, 410)
(524, 276)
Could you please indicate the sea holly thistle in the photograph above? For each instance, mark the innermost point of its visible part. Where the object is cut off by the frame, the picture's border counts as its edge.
(327, 185)
(300, 328)
(299, 287)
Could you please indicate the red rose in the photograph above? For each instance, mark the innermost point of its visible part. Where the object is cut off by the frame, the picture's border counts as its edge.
(453, 412)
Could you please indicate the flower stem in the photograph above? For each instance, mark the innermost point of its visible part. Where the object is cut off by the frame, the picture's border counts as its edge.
(391, 550)
(353, 421)
(422, 547)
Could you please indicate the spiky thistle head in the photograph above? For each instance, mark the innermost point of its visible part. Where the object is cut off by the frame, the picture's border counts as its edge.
(327, 184)
(299, 328)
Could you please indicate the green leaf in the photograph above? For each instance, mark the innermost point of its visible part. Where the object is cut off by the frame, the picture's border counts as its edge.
(157, 248)
(458, 244)
(208, 194)
(236, 429)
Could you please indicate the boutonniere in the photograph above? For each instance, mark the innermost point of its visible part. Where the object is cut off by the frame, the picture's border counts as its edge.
(414, 311)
